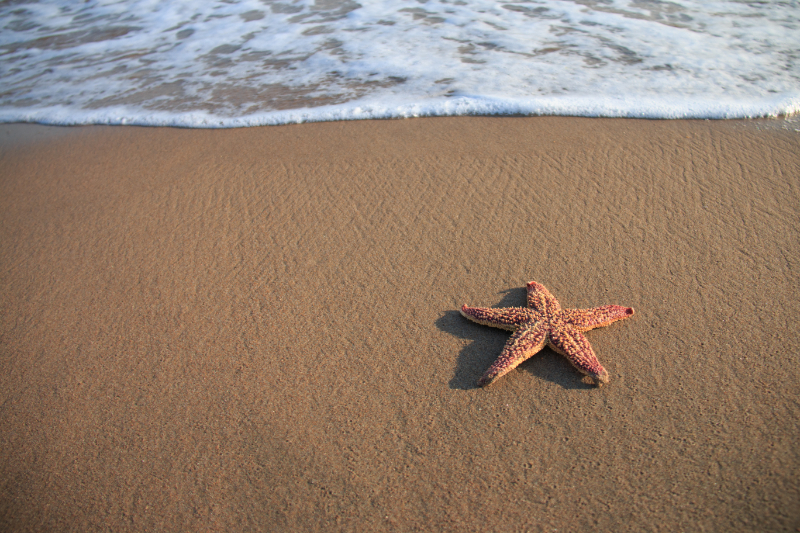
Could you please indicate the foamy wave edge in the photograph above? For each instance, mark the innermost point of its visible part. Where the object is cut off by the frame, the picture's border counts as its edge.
(646, 108)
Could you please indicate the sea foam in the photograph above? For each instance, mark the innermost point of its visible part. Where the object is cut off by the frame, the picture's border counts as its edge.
(249, 63)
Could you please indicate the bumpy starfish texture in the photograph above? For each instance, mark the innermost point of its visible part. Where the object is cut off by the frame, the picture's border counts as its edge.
(542, 323)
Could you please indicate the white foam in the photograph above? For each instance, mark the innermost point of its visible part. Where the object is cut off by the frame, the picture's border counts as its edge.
(216, 64)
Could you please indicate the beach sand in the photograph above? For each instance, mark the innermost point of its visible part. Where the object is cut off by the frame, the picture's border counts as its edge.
(258, 329)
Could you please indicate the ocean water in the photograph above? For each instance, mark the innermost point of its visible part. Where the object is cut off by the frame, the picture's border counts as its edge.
(229, 63)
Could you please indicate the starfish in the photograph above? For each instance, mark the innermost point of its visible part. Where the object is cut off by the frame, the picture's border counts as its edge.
(542, 323)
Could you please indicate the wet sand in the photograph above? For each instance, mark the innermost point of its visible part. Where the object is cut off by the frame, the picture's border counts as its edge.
(258, 329)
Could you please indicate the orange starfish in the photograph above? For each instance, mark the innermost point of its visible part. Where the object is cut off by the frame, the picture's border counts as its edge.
(544, 322)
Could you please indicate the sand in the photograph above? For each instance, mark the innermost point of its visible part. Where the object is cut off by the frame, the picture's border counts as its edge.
(258, 329)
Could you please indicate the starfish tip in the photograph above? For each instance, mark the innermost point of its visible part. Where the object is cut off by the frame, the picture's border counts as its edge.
(487, 379)
(601, 378)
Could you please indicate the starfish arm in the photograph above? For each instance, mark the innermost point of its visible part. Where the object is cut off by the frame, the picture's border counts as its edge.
(540, 299)
(574, 345)
(524, 343)
(506, 318)
(596, 317)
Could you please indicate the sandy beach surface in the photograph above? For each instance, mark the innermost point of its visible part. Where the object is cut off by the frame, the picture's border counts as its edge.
(258, 329)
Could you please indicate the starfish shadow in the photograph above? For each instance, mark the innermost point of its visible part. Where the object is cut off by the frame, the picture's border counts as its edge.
(488, 343)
